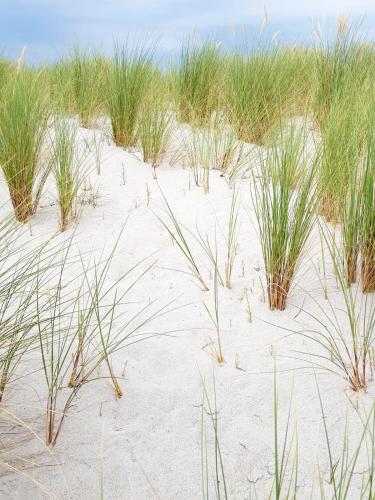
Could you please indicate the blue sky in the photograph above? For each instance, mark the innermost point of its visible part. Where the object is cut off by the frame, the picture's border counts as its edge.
(49, 27)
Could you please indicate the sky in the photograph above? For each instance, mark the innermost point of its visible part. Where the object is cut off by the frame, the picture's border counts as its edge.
(49, 28)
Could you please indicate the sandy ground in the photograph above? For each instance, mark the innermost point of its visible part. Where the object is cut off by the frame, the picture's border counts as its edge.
(147, 444)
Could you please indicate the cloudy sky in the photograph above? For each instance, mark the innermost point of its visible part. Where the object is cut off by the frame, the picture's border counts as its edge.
(49, 27)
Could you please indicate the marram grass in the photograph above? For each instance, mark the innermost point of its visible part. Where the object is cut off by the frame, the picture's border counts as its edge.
(285, 212)
(342, 143)
(155, 122)
(257, 89)
(68, 170)
(24, 113)
(345, 340)
(334, 62)
(197, 82)
(351, 226)
(86, 74)
(367, 216)
(127, 86)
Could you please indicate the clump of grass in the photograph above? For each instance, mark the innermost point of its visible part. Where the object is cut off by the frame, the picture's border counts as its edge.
(155, 124)
(80, 328)
(127, 85)
(284, 206)
(76, 85)
(197, 88)
(22, 269)
(367, 216)
(289, 138)
(7, 71)
(67, 169)
(351, 224)
(295, 68)
(86, 75)
(256, 89)
(342, 143)
(333, 63)
(24, 113)
(346, 339)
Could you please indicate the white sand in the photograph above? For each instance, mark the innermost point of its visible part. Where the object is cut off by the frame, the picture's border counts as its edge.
(148, 444)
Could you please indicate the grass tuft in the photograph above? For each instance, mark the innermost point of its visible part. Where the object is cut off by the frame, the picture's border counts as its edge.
(284, 205)
(24, 113)
(127, 86)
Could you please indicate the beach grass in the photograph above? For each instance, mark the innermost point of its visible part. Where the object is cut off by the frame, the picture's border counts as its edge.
(127, 85)
(24, 113)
